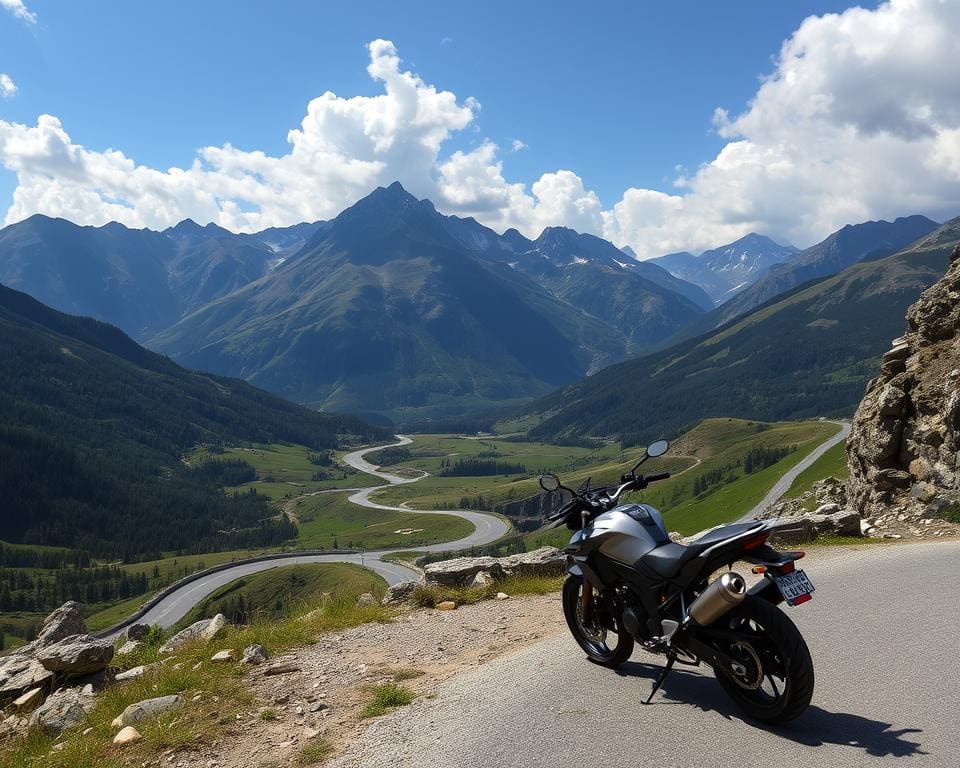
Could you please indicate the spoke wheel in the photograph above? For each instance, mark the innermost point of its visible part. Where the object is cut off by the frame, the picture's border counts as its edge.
(773, 679)
(599, 635)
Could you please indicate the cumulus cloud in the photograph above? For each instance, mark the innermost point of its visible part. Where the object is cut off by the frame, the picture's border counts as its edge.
(19, 10)
(8, 88)
(516, 145)
(859, 119)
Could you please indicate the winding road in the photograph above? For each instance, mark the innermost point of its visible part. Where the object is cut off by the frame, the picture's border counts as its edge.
(487, 528)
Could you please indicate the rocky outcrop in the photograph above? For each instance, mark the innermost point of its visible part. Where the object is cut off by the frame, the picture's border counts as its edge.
(399, 593)
(482, 571)
(64, 709)
(903, 448)
(65, 621)
(821, 511)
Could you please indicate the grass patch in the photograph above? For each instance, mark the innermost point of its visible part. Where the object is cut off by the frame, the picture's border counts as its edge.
(428, 595)
(407, 674)
(330, 519)
(833, 463)
(386, 697)
(268, 716)
(314, 753)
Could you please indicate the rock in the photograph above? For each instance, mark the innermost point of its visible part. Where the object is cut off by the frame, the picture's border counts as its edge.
(19, 674)
(399, 593)
(130, 674)
(827, 509)
(461, 570)
(224, 657)
(366, 600)
(446, 605)
(64, 709)
(903, 446)
(128, 647)
(67, 620)
(841, 523)
(138, 631)
(546, 561)
(481, 580)
(28, 701)
(148, 708)
(77, 655)
(128, 735)
(502, 596)
(202, 631)
(254, 654)
(280, 669)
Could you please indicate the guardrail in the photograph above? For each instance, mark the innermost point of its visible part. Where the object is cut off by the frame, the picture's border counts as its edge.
(171, 588)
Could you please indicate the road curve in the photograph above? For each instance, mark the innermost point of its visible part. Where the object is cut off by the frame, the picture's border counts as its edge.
(882, 632)
(487, 528)
(786, 480)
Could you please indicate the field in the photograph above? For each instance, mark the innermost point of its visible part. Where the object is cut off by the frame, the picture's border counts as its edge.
(832, 464)
(285, 470)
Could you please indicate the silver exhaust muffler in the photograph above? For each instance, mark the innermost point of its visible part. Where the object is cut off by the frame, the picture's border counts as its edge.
(723, 595)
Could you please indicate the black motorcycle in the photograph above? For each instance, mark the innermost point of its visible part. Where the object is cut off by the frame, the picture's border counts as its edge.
(630, 583)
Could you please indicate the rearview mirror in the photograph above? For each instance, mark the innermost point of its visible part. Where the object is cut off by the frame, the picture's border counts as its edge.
(657, 448)
(549, 482)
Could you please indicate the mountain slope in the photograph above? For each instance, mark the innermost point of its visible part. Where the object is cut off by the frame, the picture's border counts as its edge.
(853, 243)
(92, 430)
(807, 353)
(724, 271)
(139, 280)
(397, 309)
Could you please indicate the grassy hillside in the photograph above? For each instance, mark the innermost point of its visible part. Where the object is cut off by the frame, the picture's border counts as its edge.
(285, 591)
(805, 354)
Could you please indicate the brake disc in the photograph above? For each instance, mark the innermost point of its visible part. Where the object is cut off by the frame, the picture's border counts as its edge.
(751, 677)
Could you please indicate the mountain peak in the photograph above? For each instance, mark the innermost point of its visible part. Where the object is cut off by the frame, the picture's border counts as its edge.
(190, 228)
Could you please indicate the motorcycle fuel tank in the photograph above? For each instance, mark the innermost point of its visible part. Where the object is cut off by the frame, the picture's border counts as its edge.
(625, 533)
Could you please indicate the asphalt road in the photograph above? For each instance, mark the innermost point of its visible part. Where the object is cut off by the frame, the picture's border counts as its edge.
(487, 528)
(783, 484)
(883, 633)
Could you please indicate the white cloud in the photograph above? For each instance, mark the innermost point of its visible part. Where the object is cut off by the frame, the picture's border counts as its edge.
(516, 145)
(859, 119)
(19, 10)
(8, 88)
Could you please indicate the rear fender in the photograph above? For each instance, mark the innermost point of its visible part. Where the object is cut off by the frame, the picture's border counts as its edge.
(765, 589)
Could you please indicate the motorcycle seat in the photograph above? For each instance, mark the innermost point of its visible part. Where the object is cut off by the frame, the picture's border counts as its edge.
(667, 559)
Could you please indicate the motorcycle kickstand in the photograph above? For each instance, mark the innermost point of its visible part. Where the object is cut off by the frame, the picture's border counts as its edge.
(663, 676)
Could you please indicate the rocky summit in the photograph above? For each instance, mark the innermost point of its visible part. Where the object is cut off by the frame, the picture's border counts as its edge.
(902, 451)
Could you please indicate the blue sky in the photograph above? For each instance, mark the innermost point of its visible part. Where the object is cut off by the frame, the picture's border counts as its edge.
(619, 95)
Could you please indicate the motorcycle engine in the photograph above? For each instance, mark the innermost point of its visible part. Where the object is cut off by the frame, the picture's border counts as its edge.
(634, 620)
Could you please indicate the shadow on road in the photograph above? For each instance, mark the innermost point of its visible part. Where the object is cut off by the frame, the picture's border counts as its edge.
(813, 728)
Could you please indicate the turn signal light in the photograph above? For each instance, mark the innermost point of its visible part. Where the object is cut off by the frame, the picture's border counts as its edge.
(759, 569)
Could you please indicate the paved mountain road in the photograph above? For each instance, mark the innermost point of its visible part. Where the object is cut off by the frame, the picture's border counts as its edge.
(786, 480)
(487, 528)
(883, 632)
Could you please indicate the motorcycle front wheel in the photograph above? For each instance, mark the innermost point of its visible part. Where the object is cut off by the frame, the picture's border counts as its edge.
(600, 636)
(775, 683)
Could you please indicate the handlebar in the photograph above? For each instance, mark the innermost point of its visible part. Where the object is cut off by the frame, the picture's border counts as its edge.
(579, 503)
(657, 476)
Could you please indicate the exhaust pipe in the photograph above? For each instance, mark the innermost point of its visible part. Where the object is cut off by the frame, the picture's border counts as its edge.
(721, 596)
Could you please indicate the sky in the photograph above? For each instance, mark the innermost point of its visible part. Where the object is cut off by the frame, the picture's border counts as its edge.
(663, 126)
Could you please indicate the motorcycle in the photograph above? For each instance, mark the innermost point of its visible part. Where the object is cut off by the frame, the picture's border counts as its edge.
(628, 583)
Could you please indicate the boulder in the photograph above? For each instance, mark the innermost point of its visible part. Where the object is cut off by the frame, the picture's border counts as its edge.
(461, 570)
(446, 605)
(546, 561)
(64, 709)
(28, 701)
(128, 647)
(399, 593)
(77, 655)
(148, 708)
(67, 620)
(502, 596)
(481, 580)
(131, 674)
(254, 654)
(127, 735)
(224, 657)
(366, 600)
(202, 631)
(138, 631)
(19, 673)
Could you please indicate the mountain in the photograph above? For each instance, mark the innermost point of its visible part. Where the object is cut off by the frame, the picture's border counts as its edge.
(93, 428)
(806, 353)
(853, 243)
(139, 280)
(397, 309)
(722, 272)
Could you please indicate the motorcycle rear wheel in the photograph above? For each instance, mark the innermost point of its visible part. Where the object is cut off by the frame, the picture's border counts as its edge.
(593, 632)
(778, 681)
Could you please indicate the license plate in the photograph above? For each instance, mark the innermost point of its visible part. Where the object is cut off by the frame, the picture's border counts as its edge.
(794, 586)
